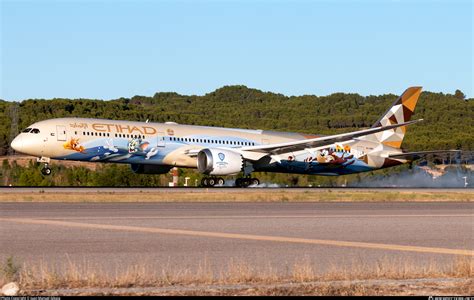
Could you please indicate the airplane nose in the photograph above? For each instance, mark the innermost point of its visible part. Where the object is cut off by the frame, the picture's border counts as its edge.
(17, 144)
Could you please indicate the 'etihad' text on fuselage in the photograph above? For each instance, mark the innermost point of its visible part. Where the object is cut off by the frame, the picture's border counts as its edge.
(101, 127)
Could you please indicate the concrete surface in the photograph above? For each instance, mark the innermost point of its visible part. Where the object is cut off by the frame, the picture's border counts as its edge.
(185, 235)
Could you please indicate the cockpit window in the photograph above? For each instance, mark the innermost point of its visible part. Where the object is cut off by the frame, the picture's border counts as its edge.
(26, 130)
(35, 130)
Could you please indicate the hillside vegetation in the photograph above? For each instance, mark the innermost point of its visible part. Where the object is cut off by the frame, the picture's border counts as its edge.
(448, 119)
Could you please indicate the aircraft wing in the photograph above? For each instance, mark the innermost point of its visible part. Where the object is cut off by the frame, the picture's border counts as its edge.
(420, 154)
(281, 148)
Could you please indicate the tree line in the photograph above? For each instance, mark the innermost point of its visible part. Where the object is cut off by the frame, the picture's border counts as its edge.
(448, 118)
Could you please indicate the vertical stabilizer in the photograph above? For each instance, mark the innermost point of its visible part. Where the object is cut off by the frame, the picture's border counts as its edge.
(400, 112)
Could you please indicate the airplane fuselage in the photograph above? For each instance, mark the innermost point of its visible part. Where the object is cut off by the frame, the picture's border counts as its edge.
(171, 144)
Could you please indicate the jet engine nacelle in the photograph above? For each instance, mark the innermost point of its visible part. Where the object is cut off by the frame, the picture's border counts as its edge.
(219, 162)
(149, 169)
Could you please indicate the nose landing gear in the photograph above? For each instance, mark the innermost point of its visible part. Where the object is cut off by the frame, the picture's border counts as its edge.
(45, 170)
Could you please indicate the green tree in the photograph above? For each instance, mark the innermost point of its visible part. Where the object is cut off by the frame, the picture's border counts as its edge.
(459, 95)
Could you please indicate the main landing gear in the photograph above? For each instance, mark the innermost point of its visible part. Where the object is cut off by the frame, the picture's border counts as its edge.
(212, 181)
(219, 181)
(246, 182)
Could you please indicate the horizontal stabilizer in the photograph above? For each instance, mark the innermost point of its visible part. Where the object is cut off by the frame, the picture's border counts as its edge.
(420, 154)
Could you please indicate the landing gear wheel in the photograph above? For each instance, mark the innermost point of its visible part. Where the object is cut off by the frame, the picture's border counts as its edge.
(46, 171)
(211, 181)
(238, 182)
(254, 181)
(246, 182)
(242, 182)
(220, 181)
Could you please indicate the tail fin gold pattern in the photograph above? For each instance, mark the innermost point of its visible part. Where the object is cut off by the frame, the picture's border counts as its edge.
(401, 111)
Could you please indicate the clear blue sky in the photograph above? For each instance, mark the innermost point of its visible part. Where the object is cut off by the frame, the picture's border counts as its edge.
(110, 49)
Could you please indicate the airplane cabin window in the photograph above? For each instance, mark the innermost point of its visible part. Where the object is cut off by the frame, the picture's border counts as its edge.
(26, 130)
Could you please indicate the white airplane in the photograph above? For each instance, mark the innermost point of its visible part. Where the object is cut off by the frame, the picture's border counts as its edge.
(155, 148)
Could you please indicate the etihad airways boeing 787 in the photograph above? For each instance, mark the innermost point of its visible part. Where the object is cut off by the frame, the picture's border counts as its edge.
(155, 148)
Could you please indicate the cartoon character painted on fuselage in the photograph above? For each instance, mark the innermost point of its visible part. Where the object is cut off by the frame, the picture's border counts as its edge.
(142, 148)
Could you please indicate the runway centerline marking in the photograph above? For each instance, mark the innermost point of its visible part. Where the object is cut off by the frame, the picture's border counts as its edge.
(245, 236)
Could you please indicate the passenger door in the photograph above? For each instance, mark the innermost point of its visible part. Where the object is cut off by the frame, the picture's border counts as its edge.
(161, 139)
(61, 133)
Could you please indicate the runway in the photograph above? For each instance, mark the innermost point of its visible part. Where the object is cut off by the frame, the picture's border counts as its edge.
(184, 235)
(124, 190)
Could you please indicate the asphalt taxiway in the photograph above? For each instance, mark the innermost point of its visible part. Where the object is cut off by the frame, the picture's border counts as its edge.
(185, 235)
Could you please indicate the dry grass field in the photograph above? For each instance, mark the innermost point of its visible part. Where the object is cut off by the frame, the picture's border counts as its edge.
(387, 277)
